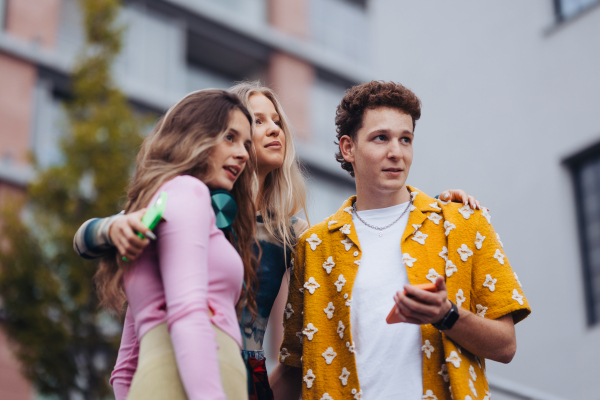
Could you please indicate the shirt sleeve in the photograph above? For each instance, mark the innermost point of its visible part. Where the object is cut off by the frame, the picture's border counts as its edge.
(127, 359)
(496, 290)
(293, 319)
(91, 239)
(182, 242)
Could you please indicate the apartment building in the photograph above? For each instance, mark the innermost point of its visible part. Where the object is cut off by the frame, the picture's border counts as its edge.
(308, 51)
(510, 94)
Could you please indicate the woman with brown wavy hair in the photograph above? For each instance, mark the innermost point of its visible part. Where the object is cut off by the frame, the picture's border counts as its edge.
(279, 193)
(183, 289)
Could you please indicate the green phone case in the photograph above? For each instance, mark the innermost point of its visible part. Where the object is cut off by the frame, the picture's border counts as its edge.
(152, 217)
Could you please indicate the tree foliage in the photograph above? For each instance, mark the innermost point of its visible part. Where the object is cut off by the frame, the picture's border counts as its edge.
(66, 344)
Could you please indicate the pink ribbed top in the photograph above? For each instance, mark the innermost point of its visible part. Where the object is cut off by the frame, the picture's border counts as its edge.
(188, 270)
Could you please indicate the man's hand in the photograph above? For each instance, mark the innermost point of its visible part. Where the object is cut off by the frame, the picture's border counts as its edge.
(488, 338)
(460, 196)
(123, 234)
(417, 306)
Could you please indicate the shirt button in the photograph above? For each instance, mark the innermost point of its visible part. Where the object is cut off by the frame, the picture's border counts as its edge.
(355, 253)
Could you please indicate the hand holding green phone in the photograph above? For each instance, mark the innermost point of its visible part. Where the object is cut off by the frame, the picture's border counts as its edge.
(152, 217)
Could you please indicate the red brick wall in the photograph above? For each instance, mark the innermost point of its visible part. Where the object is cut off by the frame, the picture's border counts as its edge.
(12, 384)
(34, 20)
(29, 20)
(292, 79)
(289, 16)
(17, 80)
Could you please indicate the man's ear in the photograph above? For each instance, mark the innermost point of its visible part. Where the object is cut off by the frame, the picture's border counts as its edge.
(347, 147)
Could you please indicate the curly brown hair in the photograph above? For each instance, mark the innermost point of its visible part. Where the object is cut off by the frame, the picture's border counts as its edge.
(371, 95)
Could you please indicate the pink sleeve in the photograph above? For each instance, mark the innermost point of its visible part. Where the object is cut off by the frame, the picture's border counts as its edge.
(127, 360)
(183, 254)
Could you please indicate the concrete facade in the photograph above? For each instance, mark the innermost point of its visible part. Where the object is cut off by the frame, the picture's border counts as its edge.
(507, 95)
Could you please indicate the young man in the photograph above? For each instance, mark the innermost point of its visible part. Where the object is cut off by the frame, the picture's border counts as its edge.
(356, 266)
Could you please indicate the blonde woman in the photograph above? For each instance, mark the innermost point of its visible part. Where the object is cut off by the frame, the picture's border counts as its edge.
(279, 193)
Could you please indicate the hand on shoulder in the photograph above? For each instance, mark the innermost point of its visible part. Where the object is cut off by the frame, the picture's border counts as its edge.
(123, 234)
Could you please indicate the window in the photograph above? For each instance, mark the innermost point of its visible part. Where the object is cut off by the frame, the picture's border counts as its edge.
(341, 25)
(326, 95)
(153, 55)
(70, 32)
(201, 78)
(2, 13)
(49, 125)
(566, 9)
(585, 168)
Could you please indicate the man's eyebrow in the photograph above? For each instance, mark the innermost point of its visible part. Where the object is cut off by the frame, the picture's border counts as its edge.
(380, 131)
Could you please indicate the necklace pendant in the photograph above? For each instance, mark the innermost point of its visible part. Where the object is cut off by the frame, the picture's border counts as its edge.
(380, 233)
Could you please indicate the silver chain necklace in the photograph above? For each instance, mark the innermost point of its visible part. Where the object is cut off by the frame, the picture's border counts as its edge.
(385, 227)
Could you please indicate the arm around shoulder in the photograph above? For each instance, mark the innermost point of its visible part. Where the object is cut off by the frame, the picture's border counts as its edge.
(91, 239)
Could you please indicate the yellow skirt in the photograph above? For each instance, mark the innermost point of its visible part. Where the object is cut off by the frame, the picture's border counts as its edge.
(157, 376)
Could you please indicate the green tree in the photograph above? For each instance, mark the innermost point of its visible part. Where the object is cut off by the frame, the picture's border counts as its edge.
(66, 344)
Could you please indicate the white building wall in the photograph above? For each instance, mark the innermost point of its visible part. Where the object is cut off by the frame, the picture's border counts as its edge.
(507, 95)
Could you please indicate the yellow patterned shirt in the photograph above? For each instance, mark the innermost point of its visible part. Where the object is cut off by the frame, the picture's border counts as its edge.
(441, 238)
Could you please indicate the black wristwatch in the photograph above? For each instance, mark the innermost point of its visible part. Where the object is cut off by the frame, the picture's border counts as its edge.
(449, 319)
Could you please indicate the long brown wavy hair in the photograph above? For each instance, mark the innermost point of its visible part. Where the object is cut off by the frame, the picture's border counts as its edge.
(181, 144)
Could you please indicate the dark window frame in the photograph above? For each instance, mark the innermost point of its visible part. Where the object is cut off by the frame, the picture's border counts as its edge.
(561, 17)
(575, 163)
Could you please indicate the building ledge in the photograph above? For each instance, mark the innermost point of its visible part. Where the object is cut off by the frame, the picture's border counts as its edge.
(312, 53)
(58, 63)
(16, 175)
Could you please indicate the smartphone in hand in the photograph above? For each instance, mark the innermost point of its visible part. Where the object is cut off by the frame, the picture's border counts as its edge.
(153, 215)
(392, 318)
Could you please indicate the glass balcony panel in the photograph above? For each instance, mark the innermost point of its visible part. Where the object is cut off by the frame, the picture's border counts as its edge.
(49, 125)
(199, 78)
(326, 96)
(70, 33)
(340, 25)
(253, 11)
(153, 55)
(2, 13)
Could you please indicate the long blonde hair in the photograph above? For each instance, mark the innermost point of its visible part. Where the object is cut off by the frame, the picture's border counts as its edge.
(284, 191)
(181, 144)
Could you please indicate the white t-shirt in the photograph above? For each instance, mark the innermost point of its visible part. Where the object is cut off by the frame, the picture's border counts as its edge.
(388, 357)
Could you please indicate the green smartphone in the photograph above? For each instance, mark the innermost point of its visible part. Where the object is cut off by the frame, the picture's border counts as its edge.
(153, 215)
